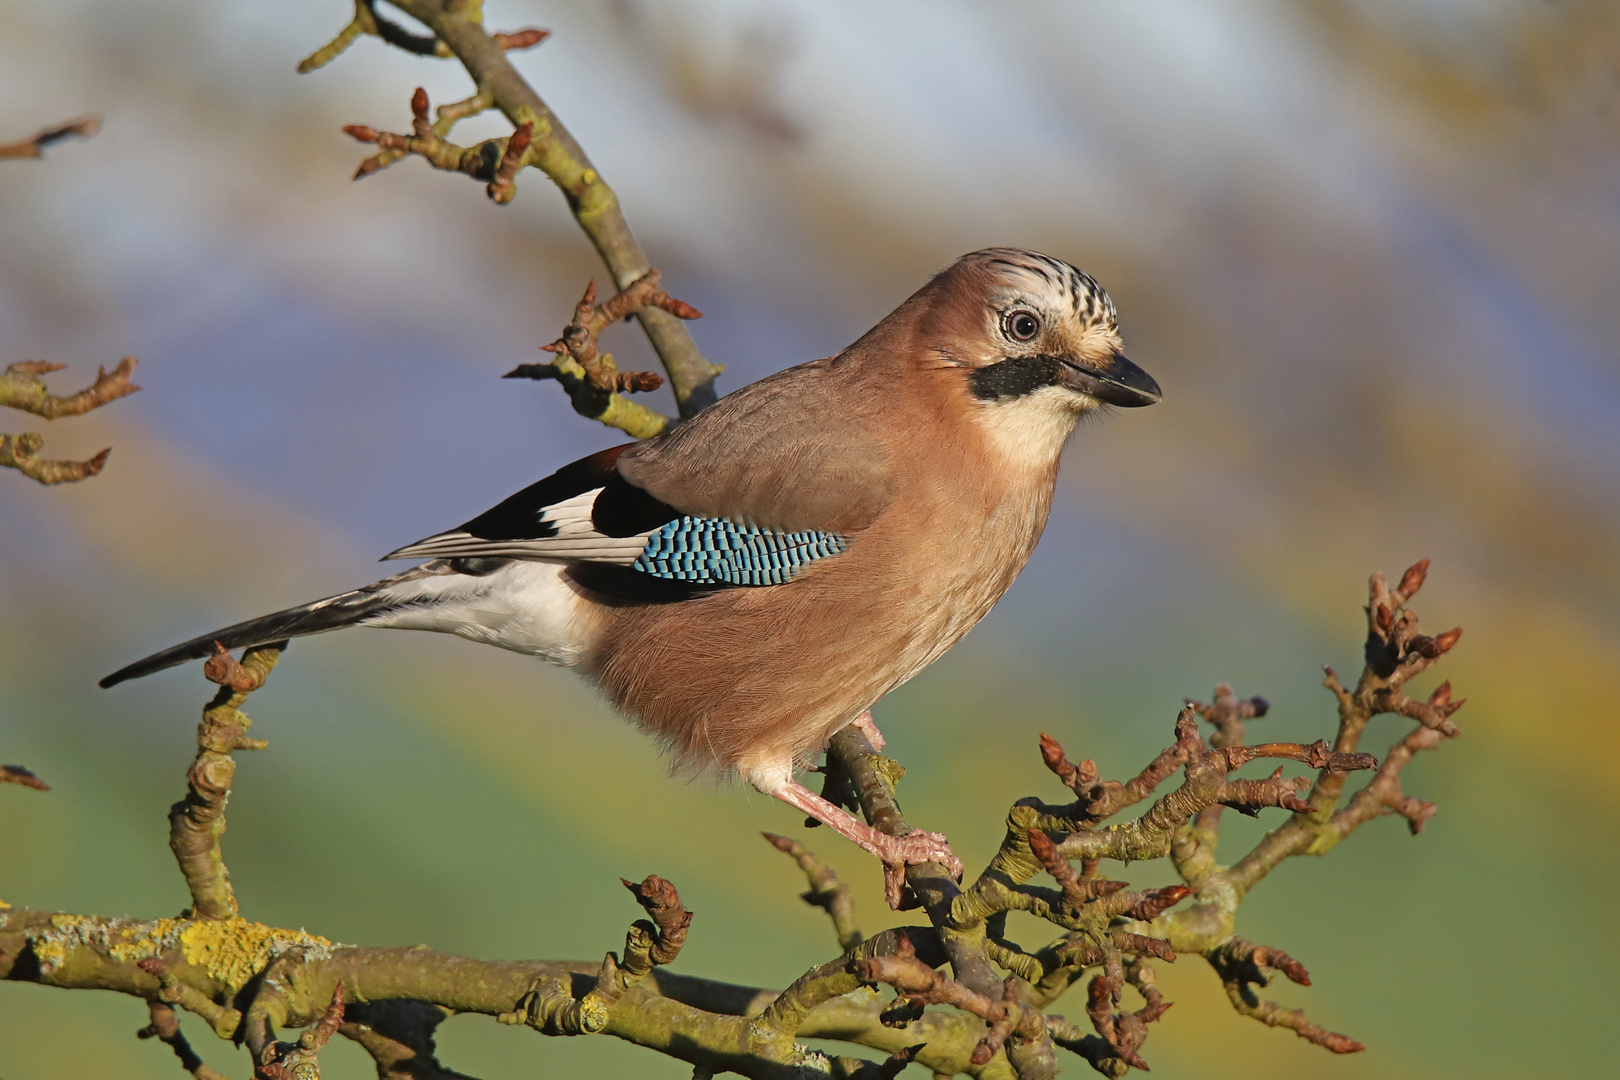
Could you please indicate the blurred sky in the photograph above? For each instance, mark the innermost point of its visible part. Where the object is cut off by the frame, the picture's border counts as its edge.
(1370, 249)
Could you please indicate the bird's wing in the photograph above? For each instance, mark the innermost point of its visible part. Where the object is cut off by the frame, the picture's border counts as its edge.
(717, 502)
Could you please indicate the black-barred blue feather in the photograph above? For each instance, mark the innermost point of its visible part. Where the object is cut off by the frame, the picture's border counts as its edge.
(587, 514)
(710, 551)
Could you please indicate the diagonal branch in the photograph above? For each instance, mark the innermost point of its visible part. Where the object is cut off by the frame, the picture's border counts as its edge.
(826, 890)
(34, 145)
(18, 774)
(458, 27)
(367, 21)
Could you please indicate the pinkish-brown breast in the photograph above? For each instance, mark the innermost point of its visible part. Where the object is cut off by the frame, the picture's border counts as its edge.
(755, 678)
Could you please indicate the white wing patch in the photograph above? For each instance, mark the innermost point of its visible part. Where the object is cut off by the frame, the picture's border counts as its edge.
(574, 539)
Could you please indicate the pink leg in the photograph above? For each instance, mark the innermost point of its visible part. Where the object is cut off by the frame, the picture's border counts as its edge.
(866, 724)
(896, 852)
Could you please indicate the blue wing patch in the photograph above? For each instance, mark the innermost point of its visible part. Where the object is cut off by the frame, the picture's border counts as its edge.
(712, 551)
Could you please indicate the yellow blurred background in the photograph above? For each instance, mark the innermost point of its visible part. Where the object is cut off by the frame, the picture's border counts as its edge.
(1370, 249)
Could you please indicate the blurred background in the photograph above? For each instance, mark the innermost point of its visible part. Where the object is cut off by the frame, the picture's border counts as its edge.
(1370, 249)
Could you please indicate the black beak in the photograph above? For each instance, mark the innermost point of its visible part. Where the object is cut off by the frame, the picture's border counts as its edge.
(1121, 383)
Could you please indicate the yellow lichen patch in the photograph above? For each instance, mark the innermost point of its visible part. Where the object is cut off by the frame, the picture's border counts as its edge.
(137, 941)
(123, 939)
(232, 951)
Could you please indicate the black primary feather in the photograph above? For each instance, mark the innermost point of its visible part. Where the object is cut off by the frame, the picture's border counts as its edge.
(332, 613)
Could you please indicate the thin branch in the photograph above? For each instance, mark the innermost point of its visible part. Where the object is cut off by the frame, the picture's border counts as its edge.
(165, 1027)
(366, 22)
(593, 381)
(18, 452)
(22, 388)
(19, 774)
(826, 890)
(34, 145)
(398, 1034)
(457, 27)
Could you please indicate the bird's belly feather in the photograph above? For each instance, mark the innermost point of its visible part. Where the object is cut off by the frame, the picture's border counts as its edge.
(525, 606)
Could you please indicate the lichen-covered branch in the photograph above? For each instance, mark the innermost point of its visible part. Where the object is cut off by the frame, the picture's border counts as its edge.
(197, 821)
(21, 388)
(249, 981)
(34, 146)
(458, 30)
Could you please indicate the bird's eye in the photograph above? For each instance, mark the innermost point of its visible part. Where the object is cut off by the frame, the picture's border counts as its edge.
(1021, 325)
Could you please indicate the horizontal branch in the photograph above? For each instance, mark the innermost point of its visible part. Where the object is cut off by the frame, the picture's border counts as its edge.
(22, 388)
(21, 452)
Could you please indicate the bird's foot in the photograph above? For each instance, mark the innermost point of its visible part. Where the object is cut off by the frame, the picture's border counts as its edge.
(911, 849)
(895, 852)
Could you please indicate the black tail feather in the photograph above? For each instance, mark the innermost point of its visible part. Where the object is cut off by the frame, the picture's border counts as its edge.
(332, 613)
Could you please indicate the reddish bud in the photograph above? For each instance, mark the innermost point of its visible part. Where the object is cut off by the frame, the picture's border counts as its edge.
(1041, 845)
(419, 104)
(1277, 960)
(1446, 640)
(1441, 695)
(680, 308)
(1157, 902)
(1412, 580)
(1052, 754)
(1383, 618)
(1426, 647)
(521, 39)
(520, 139)
(361, 132)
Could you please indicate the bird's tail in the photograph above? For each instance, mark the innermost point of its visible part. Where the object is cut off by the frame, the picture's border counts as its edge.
(332, 613)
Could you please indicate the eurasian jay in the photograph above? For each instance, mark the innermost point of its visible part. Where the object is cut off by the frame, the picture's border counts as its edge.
(750, 582)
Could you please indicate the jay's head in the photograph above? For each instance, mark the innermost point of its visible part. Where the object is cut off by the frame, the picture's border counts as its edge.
(1033, 341)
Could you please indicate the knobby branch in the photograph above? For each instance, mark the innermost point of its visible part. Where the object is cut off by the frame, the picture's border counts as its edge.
(958, 993)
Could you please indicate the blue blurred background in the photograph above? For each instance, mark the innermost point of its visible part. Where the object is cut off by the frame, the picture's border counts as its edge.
(1370, 249)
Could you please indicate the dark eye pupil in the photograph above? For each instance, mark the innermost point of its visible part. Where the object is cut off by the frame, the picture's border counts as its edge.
(1024, 326)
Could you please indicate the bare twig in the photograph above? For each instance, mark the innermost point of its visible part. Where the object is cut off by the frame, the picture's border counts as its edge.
(457, 29)
(18, 774)
(165, 1027)
(366, 21)
(826, 890)
(300, 1060)
(22, 388)
(594, 382)
(34, 145)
